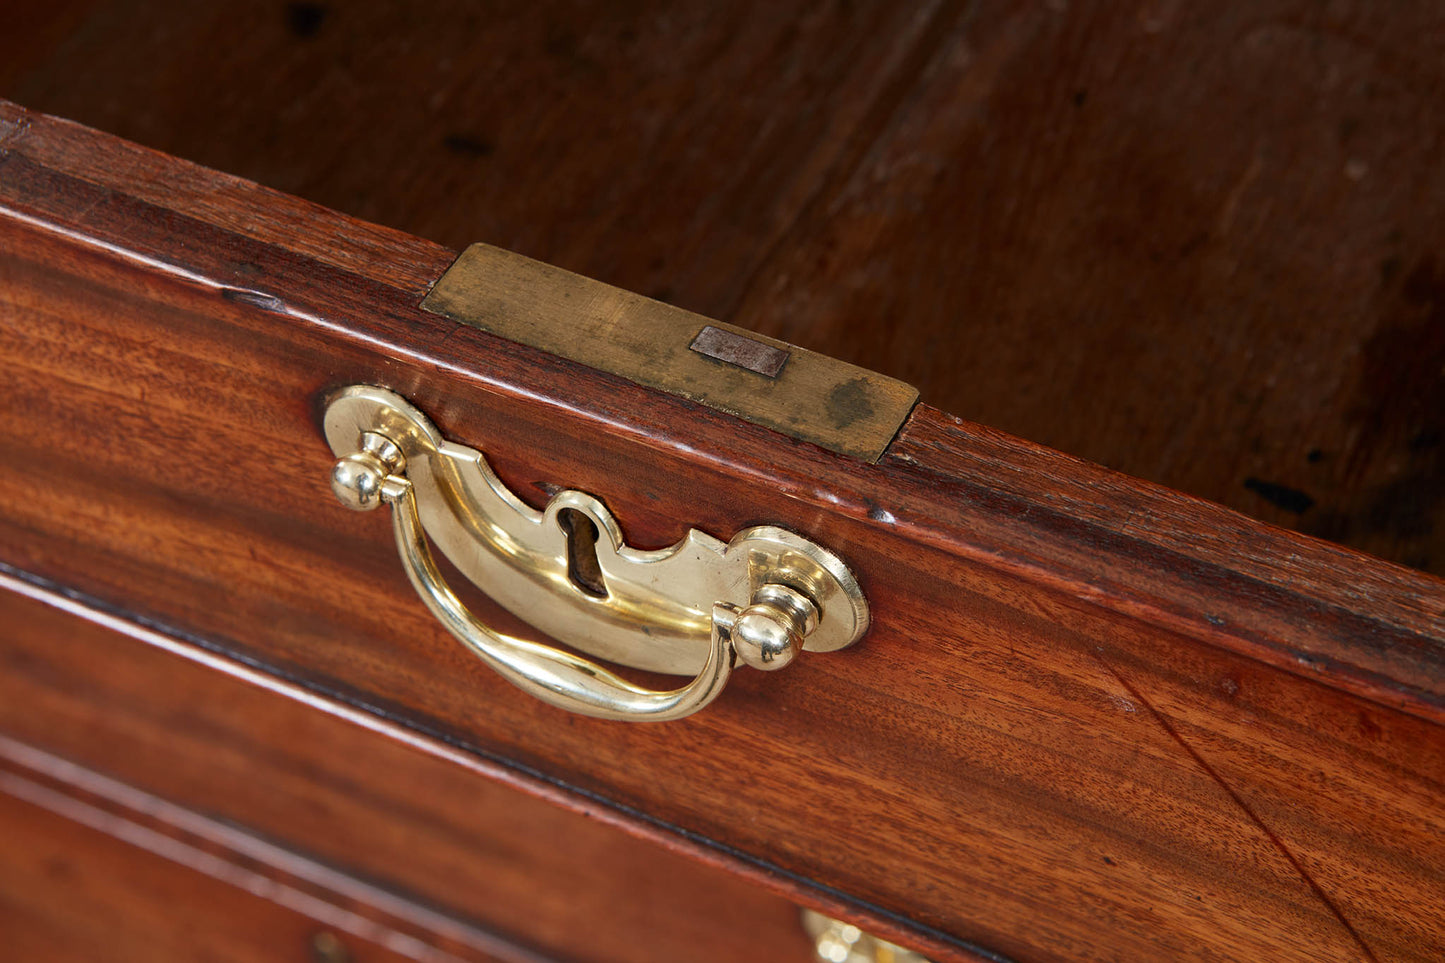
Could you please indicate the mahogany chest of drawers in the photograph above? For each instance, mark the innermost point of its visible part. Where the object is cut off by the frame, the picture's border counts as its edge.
(1092, 717)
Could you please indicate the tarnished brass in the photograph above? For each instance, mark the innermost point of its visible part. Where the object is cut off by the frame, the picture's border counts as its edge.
(801, 393)
(837, 942)
(693, 609)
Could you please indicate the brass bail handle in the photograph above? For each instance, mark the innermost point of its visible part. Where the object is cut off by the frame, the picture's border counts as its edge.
(696, 608)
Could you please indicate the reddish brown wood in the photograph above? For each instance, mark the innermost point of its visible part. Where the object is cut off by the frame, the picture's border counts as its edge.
(365, 802)
(120, 195)
(1196, 243)
(92, 870)
(1094, 718)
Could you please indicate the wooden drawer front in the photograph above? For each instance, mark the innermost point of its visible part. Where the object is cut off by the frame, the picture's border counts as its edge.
(87, 877)
(1093, 719)
(352, 796)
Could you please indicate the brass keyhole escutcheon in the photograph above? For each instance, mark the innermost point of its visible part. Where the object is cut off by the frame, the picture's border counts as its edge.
(582, 568)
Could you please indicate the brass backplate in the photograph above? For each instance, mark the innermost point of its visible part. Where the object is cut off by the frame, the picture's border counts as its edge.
(653, 608)
(801, 393)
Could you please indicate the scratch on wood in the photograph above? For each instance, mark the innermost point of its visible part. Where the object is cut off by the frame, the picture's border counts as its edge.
(1236, 194)
(932, 30)
(1244, 807)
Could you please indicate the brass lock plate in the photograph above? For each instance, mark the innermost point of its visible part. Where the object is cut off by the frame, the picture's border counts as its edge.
(800, 393)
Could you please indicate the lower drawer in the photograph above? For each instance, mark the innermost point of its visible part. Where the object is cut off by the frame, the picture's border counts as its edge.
(430, 832)
(88, 877)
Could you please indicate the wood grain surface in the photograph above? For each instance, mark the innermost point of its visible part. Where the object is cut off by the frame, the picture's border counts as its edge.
(1196, 243)
(361, 801)
(94, 870)
(1094, 720)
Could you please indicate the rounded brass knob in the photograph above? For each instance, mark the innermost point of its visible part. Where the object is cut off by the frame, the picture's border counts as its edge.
(769, 633)
(357, 479)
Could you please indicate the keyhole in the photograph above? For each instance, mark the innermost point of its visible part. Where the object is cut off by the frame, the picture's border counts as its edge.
(582, 567)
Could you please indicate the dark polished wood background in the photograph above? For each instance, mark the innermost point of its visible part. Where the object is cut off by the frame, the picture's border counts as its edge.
(1200, 243)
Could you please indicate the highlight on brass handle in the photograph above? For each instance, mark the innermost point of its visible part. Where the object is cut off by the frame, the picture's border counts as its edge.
(835, 941)
(693, 609)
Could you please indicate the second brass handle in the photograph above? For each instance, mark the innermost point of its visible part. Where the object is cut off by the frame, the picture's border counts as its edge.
(769, 587)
